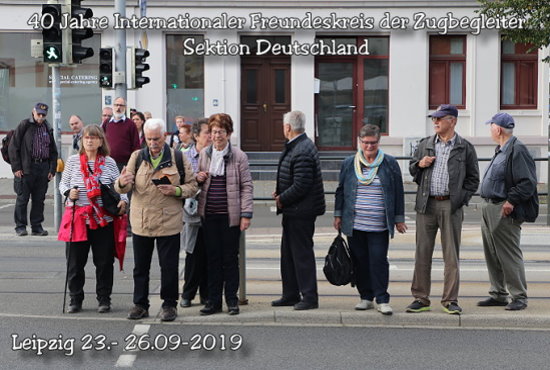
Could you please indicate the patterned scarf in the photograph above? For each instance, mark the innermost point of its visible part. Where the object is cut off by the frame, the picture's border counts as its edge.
(93, 189)
(372, 168)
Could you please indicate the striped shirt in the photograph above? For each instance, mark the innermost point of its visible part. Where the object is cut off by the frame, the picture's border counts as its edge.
(439, 186)
(72, 176)
(370, 207)
(193, 157)
(41, 143)
(216, 201)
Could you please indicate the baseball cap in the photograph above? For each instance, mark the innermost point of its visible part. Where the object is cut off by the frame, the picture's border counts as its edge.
(445, 110)
(41, 108)
(503, 120)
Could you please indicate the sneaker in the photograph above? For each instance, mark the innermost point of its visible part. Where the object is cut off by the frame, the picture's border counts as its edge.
(516, 305)
(184, 303)
(233, 310)
(104, 308)
(21, 232)
(452, 308)
(418, 306)
(137, 312)
(74, 307)
(364, 304)
(384, 309)
(168, 313)
(39, 232)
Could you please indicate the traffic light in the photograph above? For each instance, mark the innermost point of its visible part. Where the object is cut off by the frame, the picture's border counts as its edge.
(138, 67)
(52, 34)
(80, 52)
(106, 67)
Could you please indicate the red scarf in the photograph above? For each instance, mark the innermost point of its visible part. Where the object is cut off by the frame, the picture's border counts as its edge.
(93, 190)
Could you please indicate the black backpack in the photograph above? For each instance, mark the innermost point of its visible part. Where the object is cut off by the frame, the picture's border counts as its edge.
(5, 144)
(338, 267)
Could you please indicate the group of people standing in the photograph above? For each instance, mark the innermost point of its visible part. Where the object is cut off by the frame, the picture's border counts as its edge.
(199, 197)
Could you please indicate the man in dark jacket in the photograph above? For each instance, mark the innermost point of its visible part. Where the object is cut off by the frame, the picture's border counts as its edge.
(33, 156)
(445, 168)
(509, 192)
(300, 197)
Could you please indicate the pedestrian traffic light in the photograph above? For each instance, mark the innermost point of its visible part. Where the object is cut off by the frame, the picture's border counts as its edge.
(80, 52)
(52, 34)
(138, 67)
(106, 67)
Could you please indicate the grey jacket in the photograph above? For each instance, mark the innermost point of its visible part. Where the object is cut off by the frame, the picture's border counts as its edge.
(462, 167)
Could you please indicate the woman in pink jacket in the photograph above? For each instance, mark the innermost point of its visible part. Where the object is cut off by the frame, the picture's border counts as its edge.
(225, 207)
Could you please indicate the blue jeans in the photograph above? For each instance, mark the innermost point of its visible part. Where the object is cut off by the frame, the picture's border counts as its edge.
(369, 253)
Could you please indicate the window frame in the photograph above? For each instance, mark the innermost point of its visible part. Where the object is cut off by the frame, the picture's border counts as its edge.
(517, 59)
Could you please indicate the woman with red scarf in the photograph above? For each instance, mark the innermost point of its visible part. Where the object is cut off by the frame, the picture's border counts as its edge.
(90, 224)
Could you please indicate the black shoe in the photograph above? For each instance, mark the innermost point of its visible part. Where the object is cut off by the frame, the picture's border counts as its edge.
(39, 232)
(452, 308)
(284, 302)
(233, 310)
(21, 232)
(418, 306)
(303, 305)
(104, 308)
(210, 310)
(204, 301)
(490, 302)
(138, 312)
(168, 313)
(185, 303)
(74, 307)
(516, 305)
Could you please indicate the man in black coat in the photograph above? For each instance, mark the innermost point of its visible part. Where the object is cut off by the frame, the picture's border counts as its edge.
(33, 156)
(300, 197)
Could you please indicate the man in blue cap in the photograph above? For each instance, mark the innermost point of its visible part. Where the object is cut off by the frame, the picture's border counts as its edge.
(509, 192)
(445, 168)
(33, 155)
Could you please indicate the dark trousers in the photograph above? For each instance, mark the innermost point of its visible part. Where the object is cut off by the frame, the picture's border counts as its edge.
(222, 256)
(369, 253)
(32, 186)
(168, 248)
(102, 243)
(195, 274)
(298, 270)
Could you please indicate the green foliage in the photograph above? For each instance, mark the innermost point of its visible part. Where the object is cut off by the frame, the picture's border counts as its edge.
(536, 30)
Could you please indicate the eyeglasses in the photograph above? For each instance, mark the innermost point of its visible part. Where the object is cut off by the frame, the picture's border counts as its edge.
(91, 137)
(435, 119)
(218, 132)
(367, 143)
(119, 105)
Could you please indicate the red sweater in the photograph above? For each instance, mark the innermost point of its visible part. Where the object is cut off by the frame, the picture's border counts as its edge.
(123, 139)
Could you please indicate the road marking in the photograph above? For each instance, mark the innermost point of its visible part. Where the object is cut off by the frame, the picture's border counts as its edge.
(6, 206)
(127, 359)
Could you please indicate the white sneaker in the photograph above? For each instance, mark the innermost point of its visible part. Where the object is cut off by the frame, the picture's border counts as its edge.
(384, 309)
(364, 304)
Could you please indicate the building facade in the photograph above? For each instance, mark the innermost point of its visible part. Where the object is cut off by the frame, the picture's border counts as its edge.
(391, 63)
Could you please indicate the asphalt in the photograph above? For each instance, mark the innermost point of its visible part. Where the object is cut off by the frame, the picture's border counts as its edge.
(337, 303)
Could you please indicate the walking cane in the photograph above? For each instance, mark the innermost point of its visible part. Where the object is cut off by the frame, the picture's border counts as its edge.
(69, 251)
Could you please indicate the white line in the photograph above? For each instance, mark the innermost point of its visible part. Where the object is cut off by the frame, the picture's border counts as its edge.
(6, 206)
(127, 359)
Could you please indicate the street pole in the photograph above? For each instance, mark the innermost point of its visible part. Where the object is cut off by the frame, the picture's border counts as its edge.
(56, 107)
(120, 53)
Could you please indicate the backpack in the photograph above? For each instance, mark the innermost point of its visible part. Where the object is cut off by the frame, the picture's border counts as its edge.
(5, 144)
(179, 163)
(338, 267)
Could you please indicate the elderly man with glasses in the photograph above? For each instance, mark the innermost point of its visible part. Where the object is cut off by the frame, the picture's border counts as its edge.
(122, 134)
(445, 168)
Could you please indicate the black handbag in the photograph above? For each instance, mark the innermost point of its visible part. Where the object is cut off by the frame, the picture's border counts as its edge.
(338, 267)
(110, 199)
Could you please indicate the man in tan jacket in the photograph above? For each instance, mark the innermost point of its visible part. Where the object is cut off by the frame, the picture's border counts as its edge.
(155, 214)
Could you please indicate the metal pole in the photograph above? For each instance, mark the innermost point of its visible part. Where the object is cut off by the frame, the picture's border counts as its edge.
(56, 108)
(242, 269)
(548, 181)
(120, 51)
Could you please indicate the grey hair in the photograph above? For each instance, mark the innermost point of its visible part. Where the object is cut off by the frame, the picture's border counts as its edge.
(153, 124)
(508, 131)
(296, 120)
(370, 130)
(197, 127)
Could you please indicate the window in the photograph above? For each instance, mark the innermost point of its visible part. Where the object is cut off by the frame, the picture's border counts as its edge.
(518, 88)
(447, 71)
(184, 81)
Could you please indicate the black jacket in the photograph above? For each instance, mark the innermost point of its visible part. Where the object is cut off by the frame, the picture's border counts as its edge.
(521, 182)
(20, 148)
(299, 179)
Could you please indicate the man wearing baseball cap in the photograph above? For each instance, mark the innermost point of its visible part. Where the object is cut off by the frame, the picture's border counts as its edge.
(33, 156)
(509, 192)
(445, 168)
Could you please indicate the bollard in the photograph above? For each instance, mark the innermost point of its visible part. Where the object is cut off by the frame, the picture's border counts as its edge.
(242, 269)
